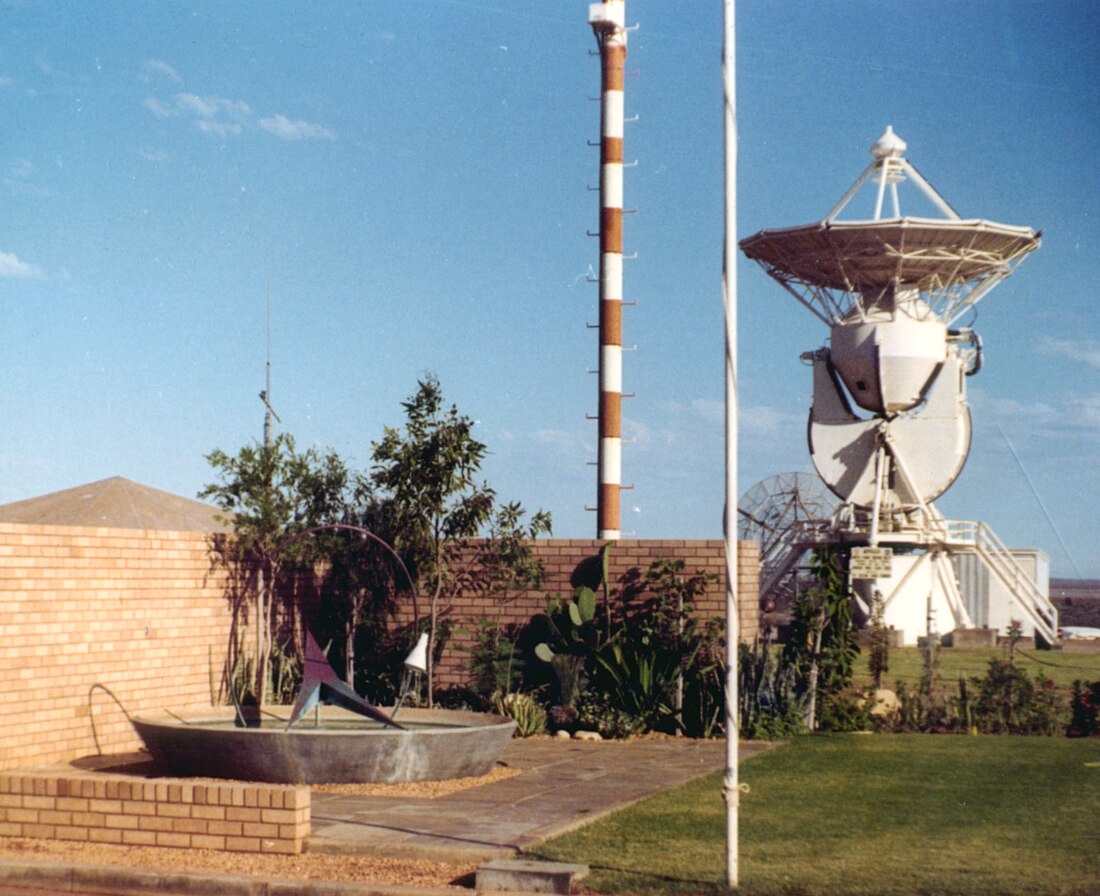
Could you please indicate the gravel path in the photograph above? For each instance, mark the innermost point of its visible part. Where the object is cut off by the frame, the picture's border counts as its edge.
(347, 869)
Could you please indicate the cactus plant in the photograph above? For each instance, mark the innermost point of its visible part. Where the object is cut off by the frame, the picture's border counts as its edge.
(574, 640)
(524, 710)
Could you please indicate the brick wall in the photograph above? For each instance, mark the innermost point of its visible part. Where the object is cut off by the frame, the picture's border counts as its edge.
(568, 563)
(230, 817)
(145, 614)
(141, 612)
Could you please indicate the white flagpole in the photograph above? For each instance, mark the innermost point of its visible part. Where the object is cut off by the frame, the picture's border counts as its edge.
(731, 788)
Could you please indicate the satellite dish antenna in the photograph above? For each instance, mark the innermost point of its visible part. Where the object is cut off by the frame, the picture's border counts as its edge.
(889, 428)
(769, 509)
(779, 513)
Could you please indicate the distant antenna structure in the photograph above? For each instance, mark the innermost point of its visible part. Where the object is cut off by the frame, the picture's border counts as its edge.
(265, 395)
(889, 427)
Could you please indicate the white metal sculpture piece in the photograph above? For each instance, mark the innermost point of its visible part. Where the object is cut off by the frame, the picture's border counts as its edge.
(889, 429)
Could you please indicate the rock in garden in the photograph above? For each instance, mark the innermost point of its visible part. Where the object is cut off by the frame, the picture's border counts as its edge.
(885, 703)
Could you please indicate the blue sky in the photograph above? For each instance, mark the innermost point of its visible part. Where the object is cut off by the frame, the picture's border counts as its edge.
(412, 180)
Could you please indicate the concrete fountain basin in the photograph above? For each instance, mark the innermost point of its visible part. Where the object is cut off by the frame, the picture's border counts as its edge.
(332, 747)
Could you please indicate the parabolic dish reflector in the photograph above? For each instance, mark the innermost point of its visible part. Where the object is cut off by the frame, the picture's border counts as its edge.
(865, 256)
(945, 260)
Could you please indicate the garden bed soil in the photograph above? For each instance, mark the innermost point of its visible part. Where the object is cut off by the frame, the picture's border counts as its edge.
(344, 869)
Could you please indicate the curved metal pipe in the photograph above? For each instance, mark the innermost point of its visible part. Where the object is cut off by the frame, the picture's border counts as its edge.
(362, 530)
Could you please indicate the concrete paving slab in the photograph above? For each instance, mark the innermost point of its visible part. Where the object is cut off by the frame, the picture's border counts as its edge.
(562, 785)
(521, 875)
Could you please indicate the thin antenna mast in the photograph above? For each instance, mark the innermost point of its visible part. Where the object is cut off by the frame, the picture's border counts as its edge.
(731, 785)
(265, 396)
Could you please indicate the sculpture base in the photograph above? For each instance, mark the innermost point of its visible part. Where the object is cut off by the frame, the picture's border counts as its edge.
(341, 748)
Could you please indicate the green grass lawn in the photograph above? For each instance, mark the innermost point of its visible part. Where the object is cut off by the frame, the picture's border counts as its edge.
(906, 664)
(873, 815)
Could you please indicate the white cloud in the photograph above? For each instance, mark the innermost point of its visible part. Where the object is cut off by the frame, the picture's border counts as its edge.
(158, 108)
(21, 181)
(163, 69)
(214, 115)
(218, 128)
(562, 441)
(222, 117)
(993, 409)
(765, 421)
(709, 409)
(1086, 351)
(1084, 410)
(1065, 414)
(211, 107)
(754, 420)
(642, 435)
(11, 266)
(285, 129)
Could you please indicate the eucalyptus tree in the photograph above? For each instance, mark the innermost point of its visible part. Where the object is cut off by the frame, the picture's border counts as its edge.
(426, 473)
(367, 577)
(272, 492)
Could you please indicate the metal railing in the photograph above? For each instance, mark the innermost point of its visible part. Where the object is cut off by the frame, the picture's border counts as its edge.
(976, 536)
(957, 536)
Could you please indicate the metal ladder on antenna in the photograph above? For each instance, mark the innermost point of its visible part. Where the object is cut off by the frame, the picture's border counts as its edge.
(999, 560)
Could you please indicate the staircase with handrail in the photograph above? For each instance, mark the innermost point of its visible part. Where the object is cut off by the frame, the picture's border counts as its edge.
(954, 536)
(971, 536)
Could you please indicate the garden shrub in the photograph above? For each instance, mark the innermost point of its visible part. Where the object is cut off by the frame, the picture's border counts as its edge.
(573, 641)
(524, 710)
(844, 711)
(703, 713)
(769, 704)
(1084, 710)
(460, 697)
(1011, 703)
(822, 643)
(596, 711)
(497, 661)
(638, 677)
(647, 664)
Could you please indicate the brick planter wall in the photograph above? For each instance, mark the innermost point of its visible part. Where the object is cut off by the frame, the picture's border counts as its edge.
(232, 817)
(146, 614)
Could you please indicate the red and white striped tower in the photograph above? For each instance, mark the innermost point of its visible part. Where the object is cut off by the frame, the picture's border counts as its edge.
(608, 22)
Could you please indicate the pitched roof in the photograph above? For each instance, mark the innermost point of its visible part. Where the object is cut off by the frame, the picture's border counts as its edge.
(115, 503)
